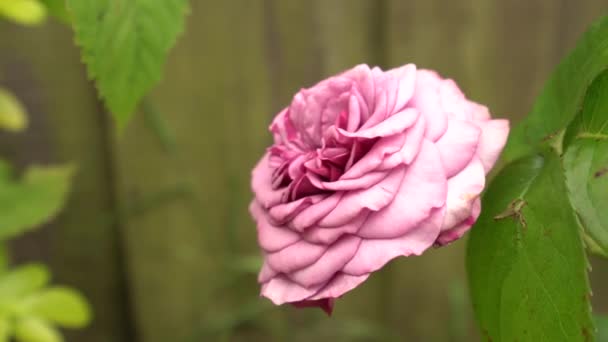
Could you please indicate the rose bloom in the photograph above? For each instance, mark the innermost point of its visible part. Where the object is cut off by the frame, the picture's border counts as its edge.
(367, 166)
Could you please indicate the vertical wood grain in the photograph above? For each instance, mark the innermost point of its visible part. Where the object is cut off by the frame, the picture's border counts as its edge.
(81, 245)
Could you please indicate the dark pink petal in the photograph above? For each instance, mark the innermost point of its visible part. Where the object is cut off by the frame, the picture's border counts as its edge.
(325, 304)
(493, 138)
(458, 145)
(375, 253)
(423, 188)
(458, 231)
(374, 198)
(374, 157)
(261, 180)
(332, 261)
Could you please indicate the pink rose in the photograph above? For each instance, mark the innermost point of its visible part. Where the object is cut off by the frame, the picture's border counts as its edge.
(367, 166)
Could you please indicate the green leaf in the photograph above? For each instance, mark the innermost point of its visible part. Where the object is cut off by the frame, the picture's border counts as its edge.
(5, 329)
(60, 305)
(125, 44)
(602, 328)
(525, 258)
(57, 9)
(36, 330)
(23, 281)
(586, 164)
(563, 93)
(32, 201)
(12, 113)
(25, 12)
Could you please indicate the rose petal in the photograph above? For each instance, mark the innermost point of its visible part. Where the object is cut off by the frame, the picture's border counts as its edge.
(395, 124)
(458, 145)
(375, 253)
(426, 100)
(406, 76)
(463, 189)
(458, 231)
(325, 304)
(338, 286)
(295, 256)
(327, 236)
(374, 198)
(365, 181)
(332, 261)
(384, 147)
(423, 188)
(493, 138)
(281, 290)
(283, 212)
(314, 213)
(266, 273)
(270, 237)
(261, 180)
(410, 149)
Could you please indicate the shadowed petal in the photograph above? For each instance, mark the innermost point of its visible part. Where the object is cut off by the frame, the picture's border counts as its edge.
(394, 124)
(458, 231)
(339, 285)
(295, 256)
(270, 237)
(261, 180)
(424, 187)
(332, 261)
(463, 189)
(374, 198)
(375, 253)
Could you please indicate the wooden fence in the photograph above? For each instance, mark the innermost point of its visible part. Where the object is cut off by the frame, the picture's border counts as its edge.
(157, 229)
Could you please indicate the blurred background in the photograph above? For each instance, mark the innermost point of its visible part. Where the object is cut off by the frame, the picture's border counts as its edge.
(156, 231)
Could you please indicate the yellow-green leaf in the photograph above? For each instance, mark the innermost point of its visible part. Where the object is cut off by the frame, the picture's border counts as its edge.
(35, 199)
(36, 330)
(13, 116)
(25, 12)
(59, 305)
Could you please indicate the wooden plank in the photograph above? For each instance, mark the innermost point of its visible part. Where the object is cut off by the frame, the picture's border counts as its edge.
(215, 100)
(67, 126)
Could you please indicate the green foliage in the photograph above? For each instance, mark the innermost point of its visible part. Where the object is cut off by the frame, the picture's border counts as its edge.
(57, 9)
(125, 44)
(32, 201)
(12, 113)
(602, 328)
(586, 164)
(20, 282)
(526, 263)
(28, 310)
(36, 330)
(562, 95)
(25, 12)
